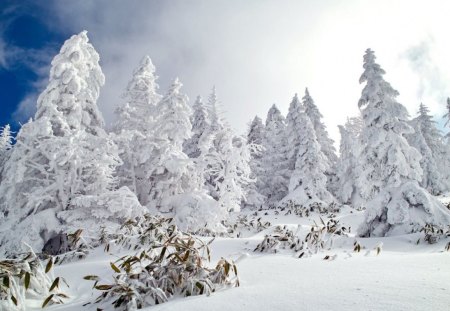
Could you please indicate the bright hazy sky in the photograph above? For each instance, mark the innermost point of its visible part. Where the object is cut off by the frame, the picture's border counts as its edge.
(256, 52)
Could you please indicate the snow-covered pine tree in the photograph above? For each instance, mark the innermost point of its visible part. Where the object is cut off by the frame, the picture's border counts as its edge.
(254, 198)
(447, 121)
(308, 181)
(326, 143)
(275, 176)
(60, 173)
(6, 141)
(225, 161)
(141, 98)
(429, 142)
(347, 165)
(172, 172)
(390, 166)
(293, 128)
(216, 122)
(200, 124)
(133, 130)
(210, 140)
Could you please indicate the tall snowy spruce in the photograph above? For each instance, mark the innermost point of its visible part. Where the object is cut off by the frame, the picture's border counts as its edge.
(200, 124)
(254, 142)
(293, 129)
(307, 185)
(274, 177)
(59, 176)
(133, 130)
(325, 142)
(225, 162)
(6, 141)
(172, 172)
(429, 142)
(390, 166)
(347, 168)
(447, 123)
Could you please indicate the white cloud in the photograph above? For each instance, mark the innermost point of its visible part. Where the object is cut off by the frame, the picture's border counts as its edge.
(260, 52)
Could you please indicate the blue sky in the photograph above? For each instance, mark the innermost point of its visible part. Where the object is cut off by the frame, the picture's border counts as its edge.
(256, 52)
(29, 45)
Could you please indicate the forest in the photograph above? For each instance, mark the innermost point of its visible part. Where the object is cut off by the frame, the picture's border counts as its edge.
(169, 176)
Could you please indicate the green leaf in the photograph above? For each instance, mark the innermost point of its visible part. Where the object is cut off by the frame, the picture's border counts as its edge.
(103, 287)
(27, 280)
(114, 267)
(6, 281)
(54, 284)
(91, 278)
(46, 301)
(49, 265)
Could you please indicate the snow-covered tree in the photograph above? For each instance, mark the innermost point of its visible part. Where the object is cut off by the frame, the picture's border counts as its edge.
(200, 124)
(275, 176)
(293, 129)
(133, 130)
(447, 121)
(308, 181)
(429, 142)
(216, 122)
(60, 173)
(141, 98)
(6, 141)
(326, 143)
(347, 169)
(226, 164)
(172, 172)
(390, 166)
(254, 141)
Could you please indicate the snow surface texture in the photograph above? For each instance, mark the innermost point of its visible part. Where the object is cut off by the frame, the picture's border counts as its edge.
(404, 276)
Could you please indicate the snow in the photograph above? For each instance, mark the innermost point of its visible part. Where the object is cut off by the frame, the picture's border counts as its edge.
(404, 276)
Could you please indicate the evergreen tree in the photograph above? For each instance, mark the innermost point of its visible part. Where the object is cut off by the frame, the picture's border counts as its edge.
(172, 172)
(134, 128)
(60, 173)
(226, 164)
(308, 181)
(254, 141)
(200, 124)
(347, 169)
(293, 132)
(275, 176)
(390, 166)
(326, 143)
(429, 142)
(6, 140)
(216, 122)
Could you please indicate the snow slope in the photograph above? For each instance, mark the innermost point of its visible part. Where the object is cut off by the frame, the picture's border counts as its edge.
(404, 276)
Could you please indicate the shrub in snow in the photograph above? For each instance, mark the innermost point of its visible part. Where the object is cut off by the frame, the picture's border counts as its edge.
(246, 223)
(60, 171)
(390, 166)
(291, 207)
(170, 264)
(432, 233)
(25, 278)
(319, 237)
